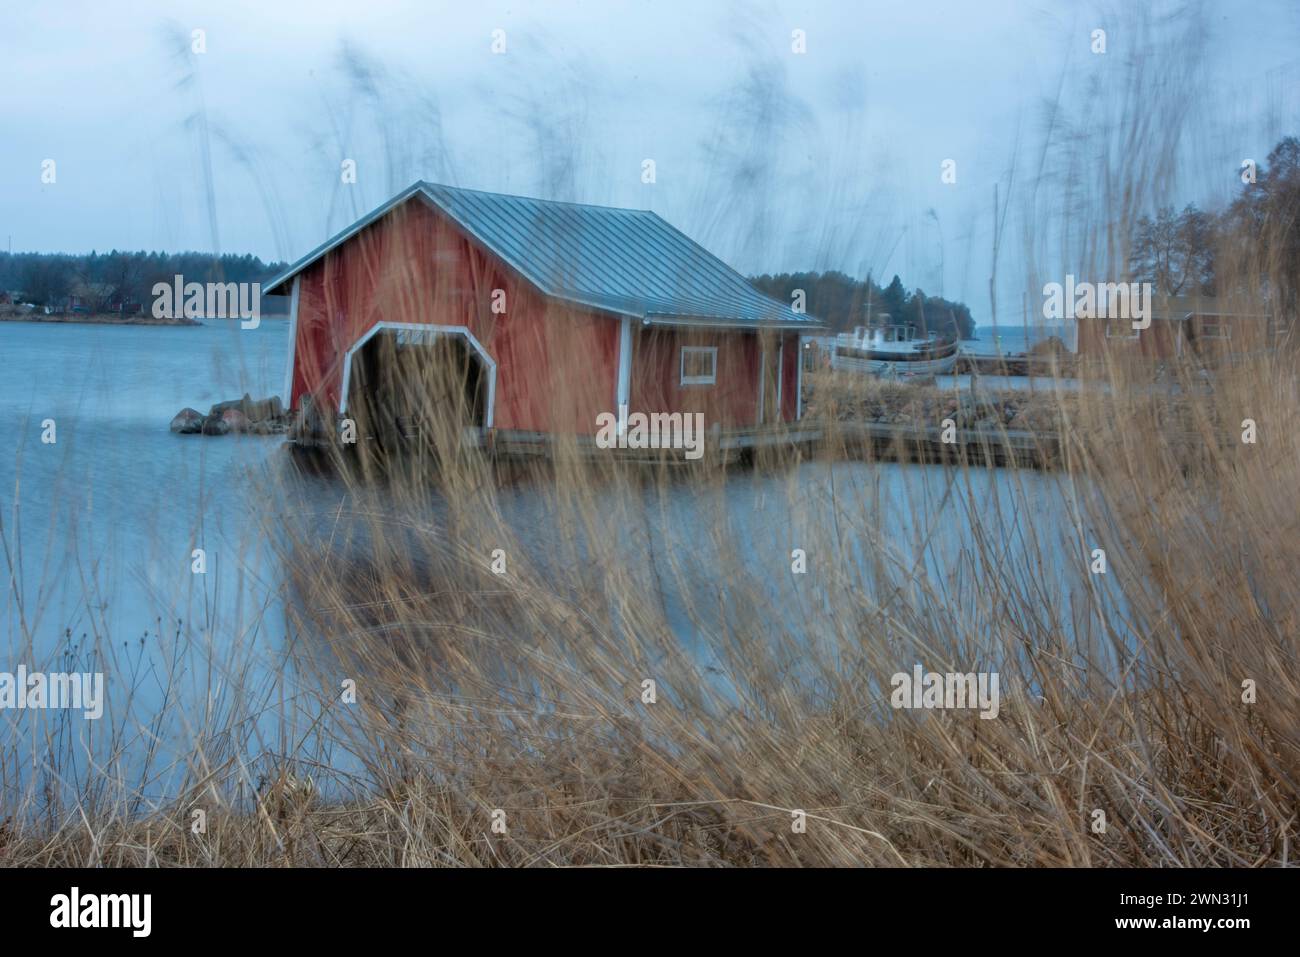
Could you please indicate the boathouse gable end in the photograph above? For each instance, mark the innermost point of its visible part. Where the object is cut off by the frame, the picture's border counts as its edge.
(414, 270)
(575, 309)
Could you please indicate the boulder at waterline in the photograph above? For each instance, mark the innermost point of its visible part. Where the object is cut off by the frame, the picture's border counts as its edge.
(240, 404)
(215, 425)
(235, 420)
(263, 410)
(187, 422)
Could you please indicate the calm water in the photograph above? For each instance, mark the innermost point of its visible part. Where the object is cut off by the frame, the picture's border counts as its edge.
(1015, 340)
(115, 505)
(100, 525)
(99, 529)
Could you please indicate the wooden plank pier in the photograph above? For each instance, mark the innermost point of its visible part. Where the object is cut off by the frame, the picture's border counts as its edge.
(988, 446)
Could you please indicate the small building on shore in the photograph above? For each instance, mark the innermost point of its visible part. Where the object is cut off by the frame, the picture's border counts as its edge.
(1180, 326)
(555, 312)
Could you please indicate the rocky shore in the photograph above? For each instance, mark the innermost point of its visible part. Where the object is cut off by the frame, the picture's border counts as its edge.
(254, 416)
(1046, 415)
(908, 406)
(17, 314)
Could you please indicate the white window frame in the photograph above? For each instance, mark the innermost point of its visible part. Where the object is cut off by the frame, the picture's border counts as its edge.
(1222, 330)
(684, 379)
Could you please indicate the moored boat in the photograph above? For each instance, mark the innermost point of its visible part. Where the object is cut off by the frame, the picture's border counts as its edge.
(893, 350)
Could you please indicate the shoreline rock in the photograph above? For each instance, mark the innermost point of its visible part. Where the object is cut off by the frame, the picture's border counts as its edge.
(187, 422)
(237, 416)
(215, 425)
(234, 420)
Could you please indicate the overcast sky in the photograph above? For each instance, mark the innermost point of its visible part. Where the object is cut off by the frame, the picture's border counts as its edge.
(777, 160)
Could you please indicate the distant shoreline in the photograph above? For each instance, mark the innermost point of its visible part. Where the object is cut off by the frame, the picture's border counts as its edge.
(102, 319)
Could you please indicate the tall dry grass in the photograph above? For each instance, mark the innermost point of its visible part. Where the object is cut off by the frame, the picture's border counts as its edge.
(524, 692)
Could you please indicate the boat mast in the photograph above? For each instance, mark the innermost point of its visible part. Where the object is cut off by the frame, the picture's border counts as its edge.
(993, 275)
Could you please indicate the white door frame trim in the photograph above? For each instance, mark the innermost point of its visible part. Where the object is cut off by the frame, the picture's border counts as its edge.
(623, 384)
(798, 385)
(423, 327)
(780, 380)
(293, 340)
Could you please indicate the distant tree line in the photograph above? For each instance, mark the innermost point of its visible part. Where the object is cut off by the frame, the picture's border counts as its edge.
(843, 302)
(111, 281)
(1251, 246)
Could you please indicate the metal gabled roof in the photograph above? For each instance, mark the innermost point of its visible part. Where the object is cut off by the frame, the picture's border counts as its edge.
(624, 261)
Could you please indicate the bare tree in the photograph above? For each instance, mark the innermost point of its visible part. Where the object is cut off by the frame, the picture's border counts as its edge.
(1175, 253)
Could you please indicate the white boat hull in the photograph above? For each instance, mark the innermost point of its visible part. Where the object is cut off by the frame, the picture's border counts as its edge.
(892, 367)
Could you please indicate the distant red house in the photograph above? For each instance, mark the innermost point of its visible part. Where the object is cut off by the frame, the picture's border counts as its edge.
(1180, 326)
(1100, 337)
(568, 310)
(123, 305)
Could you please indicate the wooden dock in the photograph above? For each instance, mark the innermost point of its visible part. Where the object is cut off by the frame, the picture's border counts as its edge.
(725, 446)
(988, 446)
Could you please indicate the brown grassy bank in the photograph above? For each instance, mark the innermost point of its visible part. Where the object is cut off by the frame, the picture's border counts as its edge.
(523, 693)
(499, 636)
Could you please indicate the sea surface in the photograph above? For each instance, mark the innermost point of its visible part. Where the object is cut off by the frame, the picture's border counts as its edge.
(127, 550)
(1009, 340)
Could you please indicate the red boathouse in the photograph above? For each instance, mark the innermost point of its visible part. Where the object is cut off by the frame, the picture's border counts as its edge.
(565, 311)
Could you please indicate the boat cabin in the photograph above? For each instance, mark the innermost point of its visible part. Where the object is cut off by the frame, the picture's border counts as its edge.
(876, 336)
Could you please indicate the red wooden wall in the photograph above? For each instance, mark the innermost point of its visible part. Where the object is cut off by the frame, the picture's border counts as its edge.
(1158, 341)
(656, 375)
(557, 366)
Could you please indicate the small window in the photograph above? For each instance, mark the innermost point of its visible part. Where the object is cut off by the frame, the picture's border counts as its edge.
(1120, 329)
(699, 365)
(1214, 328)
